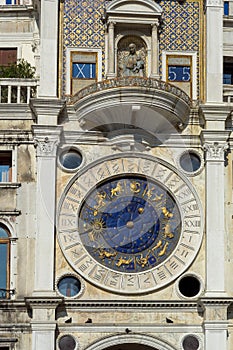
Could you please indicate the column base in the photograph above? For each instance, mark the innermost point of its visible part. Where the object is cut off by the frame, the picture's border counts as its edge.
(44, 293)
(111, 75)
(155, 76)
(215, 294)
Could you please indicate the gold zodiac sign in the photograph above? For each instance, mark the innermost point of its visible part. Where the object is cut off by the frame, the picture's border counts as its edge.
(117, 190)
(105, 254)
(166, 213)
(135, 187)
(157, 197)
(123, 261)
(149, 192)
(100, 202)
(167, 231)
(97, 228)
(163, 250)
(158, 245)
(143, 260)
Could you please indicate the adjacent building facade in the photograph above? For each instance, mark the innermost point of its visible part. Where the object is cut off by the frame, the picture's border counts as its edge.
(116, 175)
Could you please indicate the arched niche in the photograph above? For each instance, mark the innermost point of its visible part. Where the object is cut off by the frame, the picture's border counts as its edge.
(130, 342)
(122, 52)
(141, 15)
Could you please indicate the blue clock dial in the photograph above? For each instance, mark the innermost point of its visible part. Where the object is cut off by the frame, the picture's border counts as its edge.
(129, 224)
(133, 226)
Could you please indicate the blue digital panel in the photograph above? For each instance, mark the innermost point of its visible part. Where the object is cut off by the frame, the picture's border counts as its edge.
(84, 70)
(179, 73)
(227, 78)
(226, 8)
(3, 269)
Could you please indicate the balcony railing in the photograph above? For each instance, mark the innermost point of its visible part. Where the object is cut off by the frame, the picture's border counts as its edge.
(228, 93)
(17, 90)
(15, 2)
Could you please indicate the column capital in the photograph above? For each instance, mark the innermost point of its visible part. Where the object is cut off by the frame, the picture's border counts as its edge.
(46, 140)
(215, 143)
(215, 150)
(111, 24)
(155, 24)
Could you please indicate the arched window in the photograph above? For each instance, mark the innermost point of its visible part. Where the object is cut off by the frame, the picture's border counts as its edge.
(4, 262)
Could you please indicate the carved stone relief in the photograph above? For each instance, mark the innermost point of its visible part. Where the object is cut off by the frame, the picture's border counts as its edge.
(131, 57)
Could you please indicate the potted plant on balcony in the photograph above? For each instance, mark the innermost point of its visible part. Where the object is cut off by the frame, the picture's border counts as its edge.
(19, 71)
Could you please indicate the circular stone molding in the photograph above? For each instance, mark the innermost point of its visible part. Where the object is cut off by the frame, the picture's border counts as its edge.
(70, 343)
(191, 342)
(188, 156)
(186, 276)
(74, 276)
(135, 189)
(70, 158)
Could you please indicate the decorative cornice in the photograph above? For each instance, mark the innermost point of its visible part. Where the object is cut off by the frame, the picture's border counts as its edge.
(47, 111)
(8, 340)
(215, 112)
(221, 301)
(43, 302)
(10, 185)
(12, 305)
(81, 304)
(10, 212)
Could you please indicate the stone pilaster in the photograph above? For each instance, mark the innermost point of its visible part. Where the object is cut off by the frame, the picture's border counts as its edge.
(46, 141)
(48, 48)
(215, 322)
(43, 322)
(215, 144)
(214, 58)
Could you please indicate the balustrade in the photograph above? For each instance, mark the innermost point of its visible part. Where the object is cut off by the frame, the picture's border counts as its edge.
(17, 90)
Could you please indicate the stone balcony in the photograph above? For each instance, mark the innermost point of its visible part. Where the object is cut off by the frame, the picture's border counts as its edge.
(15, 95)
(228, 93)
(17, 90)
(142, 102)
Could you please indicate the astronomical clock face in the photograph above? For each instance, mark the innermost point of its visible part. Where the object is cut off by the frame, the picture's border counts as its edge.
(130, 225)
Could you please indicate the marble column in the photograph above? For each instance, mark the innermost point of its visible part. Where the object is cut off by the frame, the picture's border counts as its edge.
(111, 51)
(154, 51)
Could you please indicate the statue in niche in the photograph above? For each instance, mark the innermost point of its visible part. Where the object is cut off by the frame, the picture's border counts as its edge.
(133, 64)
